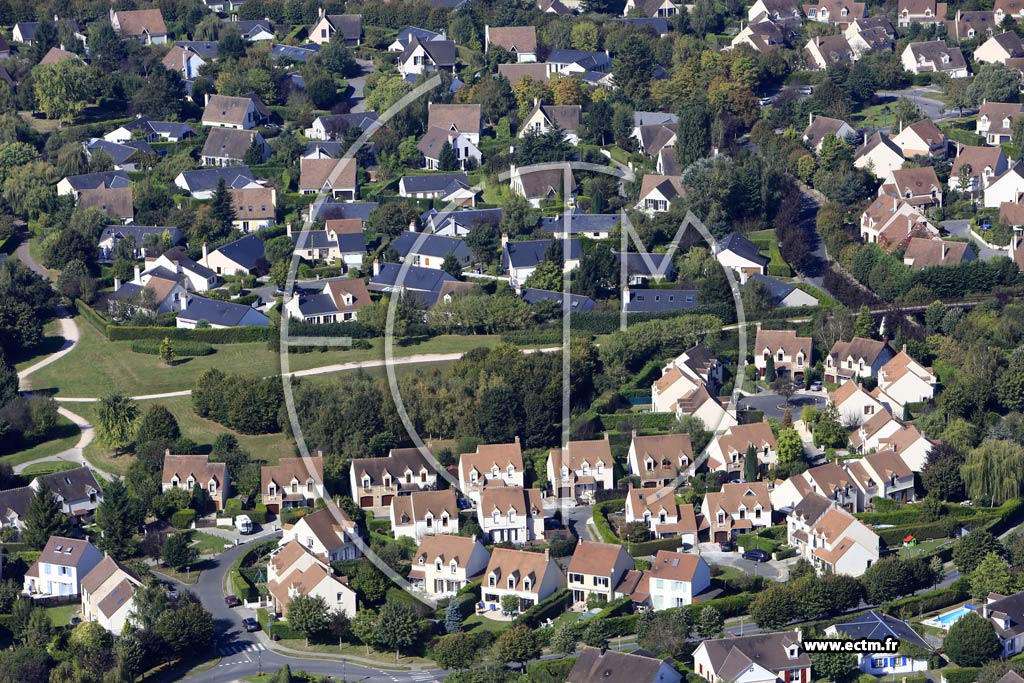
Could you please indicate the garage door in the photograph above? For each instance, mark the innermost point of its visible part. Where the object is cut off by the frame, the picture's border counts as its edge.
(366, 502)
(385, 501)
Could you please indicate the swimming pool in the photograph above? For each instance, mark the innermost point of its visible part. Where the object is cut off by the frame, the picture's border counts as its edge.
(944, 621)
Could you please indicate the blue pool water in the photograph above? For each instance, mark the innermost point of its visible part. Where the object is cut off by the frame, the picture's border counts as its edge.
(949, 618)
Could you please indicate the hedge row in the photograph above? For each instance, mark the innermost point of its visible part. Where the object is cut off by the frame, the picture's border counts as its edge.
(600, 513)
(616, 608)
(356, 330)
(964, 675)
(241, 587)
(182, 519)
(931, 601)
(229, 335)
(639, 421)
(1007, 515)
(546, 609)
(181, 348)
(913, 514)
(90, 314)
(894, 536)
(651, 547)
(551, 671)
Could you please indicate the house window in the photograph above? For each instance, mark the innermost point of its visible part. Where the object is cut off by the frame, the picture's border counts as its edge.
(512, 516)
(309, 541)
(430, 522)
(366, 482)
(496, 516)
(272, 491)
(472, 477)
(437, 565)
(454, 567)
(511, 583)
(780, 356)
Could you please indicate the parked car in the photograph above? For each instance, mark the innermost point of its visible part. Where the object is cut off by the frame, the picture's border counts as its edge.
(232, 601)
(250, 624)
(806, 90)
(815, 386)
(756, 556)
(727, 546)
(765, 101)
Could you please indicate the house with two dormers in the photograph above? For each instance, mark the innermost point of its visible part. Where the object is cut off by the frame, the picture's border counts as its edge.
(186, 471)
(491, 465)
(376, 481)
(581, 468)
(857, 358)
(291, 483)
(443, 565)
(658, 460)
(789, 353)
(737, 509)
(425, 513)
(728, 452)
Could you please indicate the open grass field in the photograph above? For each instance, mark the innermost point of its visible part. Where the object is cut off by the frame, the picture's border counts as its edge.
(98, 366)
(48, 467)
(63, 437)
(52, 342)
(348, 649)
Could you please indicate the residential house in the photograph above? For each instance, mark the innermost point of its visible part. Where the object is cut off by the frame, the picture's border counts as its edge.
(451, 188)
(917, 186)
(783, 294)
(740, 255)
(854, 403)
(293, 571)
(14, 505)
(883, 475)
(24, 32)
(403, 37)
(999, 48)
(144, 25)
(543, 117)
(650, 8)
(341, 239)
(184, 60)
(657, 301)
(675, 579)
(333, 27)
(603, 665)
(459, 223)
(867, 438)
(202, 183)
(971, 25)
(577, 62)
(157, 294)
(375, 482)
(531, 577)
(431, 251)
(821, 52)
(879, 155)
(1006, 613)
(544, 182)
(244, 113)
(657, 193)
(581, 468)
(878, 626)
(108, 593)
(197, 311)
(134, 155)
(643, 267)
(244, 256)
(188, 471)
(870, 34)
(518, 41)
(174, 262)
(292, 483)
(56, 55)
(975, 168)
(654, 137)
(910, 444)
(1008, 8)
(995, 121)
(491, 465)
(737, 508)
(829, 481)
(762, 36)
(74, 185)
(934, 57)
(510, 514)
(835, 11)
(520, 258)
(254, 30)
(443, 565)
(832, 539)
(427, 56)
(921, 139)
(138, 236)
(424, 513)
(903, 380)
(924, 253)
(60, 568)
(333, 300)
(1008, 187)
(76, 490)
(576, 302)
(856, 358)
(456, 124)
(578, 224)
(255, 207)
(783, 11)
(920, 12)
(890, 223)
(230, 146)
(819, 127)
(150, 130)
(760, 658)
(116, 203)
(659, 511)
(328, 533)
(658, 460)
(335, 126)
(789, 353)
(728, 452)
(334, 177)
(595, 570)
(426, 284)
(513, 73)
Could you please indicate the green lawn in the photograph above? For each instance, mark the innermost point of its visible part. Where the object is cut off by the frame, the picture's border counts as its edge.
(98, 366)
(348, 649)
(52, 341)
(63, 437)
(479, 623)
(48, 467)
(61, 616)
(923, 548)
(208, 544)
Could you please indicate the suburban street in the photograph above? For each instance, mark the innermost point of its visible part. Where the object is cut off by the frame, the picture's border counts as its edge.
(962, 228)
(769, 403)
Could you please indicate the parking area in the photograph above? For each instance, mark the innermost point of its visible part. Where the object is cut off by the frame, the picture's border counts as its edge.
(774, 570)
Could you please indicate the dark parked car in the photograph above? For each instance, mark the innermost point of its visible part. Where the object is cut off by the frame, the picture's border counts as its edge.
(250, 624)
(756, 556)
(232, 601)
(727, 546)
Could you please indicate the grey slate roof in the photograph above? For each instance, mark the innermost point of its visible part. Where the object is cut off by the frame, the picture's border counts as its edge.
(92, 181)
(17, 500)
(29, 28)
(431, 245)
(246, 252)
(219, 312)
(416, 278)
(531, 252)
(778, 289)
(412, 31)
(179, 257)
(206, 179)
(594, 665)
(650, 118)
(72, 484)
(658, 24)
(656, 300)
(581, 222)
(203, 48)
(435, 221)
(118, 152)
(229, 143)
(167, 128)
(251, 27)
(577, 302)
(442, 52)
(876, 626)
(738, 244)
(337, 124)
(139, 232)
(331, 210)
(327, 148)
(636, 264)
(437, 182)
(591, 61)
(296, 53)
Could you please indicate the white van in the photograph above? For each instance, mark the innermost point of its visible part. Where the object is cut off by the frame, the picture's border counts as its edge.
(243, 524)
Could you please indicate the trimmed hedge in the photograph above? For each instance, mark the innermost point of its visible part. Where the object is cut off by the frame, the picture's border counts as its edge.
(356, 330)
(600, 513)
(620, 626)
(243, 590)
(90, 314)
(965, 675)
(640, 421)
(546, 609)
(551, 671)
(651, 547)
(229, 335)
(616, 608)
(181, 348)
(931, 601)
(182, 519)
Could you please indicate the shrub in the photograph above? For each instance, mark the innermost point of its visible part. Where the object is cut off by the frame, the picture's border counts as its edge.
(228, 335)
(182, 519)
(181, 348)
(546, 609)
(233, 505)
(552, 671)
(962, 675)
(258, 515)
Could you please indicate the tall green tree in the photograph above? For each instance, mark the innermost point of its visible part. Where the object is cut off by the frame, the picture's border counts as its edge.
(178, 552)
(43, 519)
(63, 89)
(157, 424)
(694, 137)
(993, 472)
(865, 323)
(118, 420)
(452, 618)
(517, 644)
(119, 517)
(308, 614)
(222, 209)
(972, 641)
(750, 464)
(835, 666)
(398, 627)
(969, 551)
(447, 160)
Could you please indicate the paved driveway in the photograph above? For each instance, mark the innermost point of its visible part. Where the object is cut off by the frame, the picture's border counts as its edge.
(774, 570)
(358, 84)
(961, 228)
(770, 403)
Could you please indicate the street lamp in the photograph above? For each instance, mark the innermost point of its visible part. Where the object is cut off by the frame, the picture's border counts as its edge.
(188, 573)
(259, 659)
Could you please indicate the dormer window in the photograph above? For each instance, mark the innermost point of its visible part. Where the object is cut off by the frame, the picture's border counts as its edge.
(494, 472)
(780, 355)
(430, 521)
(512, 516)
(444, 520)
(526, 584)
(496, 517)
(472, 477)
(408, 477)
(309, 541)
(191, 482)
(649, 465)
(271, 490)
(454, 567)
(387, 480)
(437, 565)
(511, 471)
(511, 583)
(366, 482)
(600, 468)
(492, 580)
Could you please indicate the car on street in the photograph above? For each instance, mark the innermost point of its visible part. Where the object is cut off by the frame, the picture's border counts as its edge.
(727, 546)
(250, 624)
(232, 601)
(756, 556)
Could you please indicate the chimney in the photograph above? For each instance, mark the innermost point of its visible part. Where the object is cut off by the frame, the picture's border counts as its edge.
(904, 348)
(547, 554)
(376, 267)
(945, 251)
(206, 255)
(322, 12)
(536, 101)
(412, 225)
(288, 229)
(504, 238)
(206, 99)
(810, 117)
(517, 438)
(138, 276)
(117, 283)
(167, 452)
(183, 298)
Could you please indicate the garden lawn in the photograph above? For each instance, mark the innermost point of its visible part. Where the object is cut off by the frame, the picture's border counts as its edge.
(63, 437)
(98, 366)
(208, 544)
(923, 548)
(479, 623)
(48, 467)
(61, 616)
(52, 342)
(350, 650)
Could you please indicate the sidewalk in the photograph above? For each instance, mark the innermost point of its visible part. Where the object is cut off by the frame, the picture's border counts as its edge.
(279, 649)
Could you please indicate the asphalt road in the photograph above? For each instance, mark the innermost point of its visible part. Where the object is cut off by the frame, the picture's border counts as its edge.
(245, 654)
(576, 520)
(769, 403)
(961, 228)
